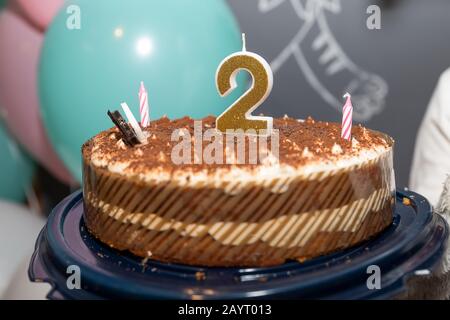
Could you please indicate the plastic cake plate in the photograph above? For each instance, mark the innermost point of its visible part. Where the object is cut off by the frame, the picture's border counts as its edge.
(414, 242)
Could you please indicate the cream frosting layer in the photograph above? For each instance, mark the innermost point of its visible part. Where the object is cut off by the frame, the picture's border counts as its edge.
(317, 148)
(259, 174)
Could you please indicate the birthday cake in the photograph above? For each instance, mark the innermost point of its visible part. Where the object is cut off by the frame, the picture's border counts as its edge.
(165, 199)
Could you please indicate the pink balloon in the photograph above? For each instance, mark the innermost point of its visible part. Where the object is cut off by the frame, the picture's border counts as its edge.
(20, 47)
(39, 12)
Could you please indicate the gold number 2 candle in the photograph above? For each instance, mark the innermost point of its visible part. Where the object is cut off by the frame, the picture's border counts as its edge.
(239, 115)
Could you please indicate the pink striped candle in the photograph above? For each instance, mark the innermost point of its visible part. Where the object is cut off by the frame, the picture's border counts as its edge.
(143, 106)
(347, 115)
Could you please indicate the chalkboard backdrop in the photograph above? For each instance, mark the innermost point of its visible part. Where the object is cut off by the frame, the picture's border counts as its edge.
(321, 48)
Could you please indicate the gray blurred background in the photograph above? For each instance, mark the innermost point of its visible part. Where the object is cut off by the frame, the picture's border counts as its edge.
(321, 48)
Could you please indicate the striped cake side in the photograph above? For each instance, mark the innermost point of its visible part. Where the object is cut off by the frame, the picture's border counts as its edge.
(209, 223)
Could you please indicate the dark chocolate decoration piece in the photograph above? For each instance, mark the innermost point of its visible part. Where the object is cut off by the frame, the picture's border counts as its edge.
(128, 134)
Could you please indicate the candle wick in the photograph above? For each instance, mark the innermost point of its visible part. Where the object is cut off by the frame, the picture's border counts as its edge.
(244, 43)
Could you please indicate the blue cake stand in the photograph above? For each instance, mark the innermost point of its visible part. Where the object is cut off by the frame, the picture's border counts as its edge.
(416, 241)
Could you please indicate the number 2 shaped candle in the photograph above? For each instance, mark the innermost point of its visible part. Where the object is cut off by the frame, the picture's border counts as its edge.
(238, 115)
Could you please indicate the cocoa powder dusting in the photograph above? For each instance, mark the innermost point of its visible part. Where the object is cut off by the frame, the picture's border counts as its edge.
(320, 139)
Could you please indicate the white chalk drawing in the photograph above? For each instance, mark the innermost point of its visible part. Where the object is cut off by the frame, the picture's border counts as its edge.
(368, 89)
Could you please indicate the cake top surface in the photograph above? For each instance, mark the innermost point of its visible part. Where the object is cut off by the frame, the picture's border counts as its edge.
(302, 145)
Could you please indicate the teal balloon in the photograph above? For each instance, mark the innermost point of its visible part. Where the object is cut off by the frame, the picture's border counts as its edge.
(2, 4)
(16, 169)
(96, 53)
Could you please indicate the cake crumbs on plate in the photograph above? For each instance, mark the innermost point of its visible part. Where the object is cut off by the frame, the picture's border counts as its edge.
(406, 201)
(145, 260)
(301, 259)
(200, 276)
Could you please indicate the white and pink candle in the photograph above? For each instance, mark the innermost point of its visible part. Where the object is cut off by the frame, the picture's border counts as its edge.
(347, 118)
(143, 106)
